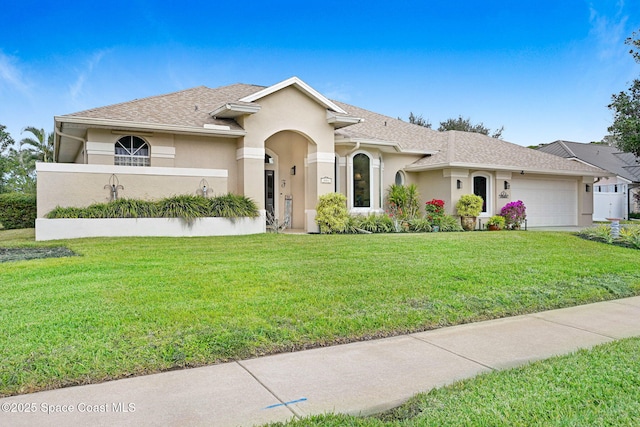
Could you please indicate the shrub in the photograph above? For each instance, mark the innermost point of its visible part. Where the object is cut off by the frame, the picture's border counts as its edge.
(18, 210)
(186, 206)
(403, 201)
(602, 233)
(232, 206)
(450, 223)
(469, 205)
(375, 223)
(420, 225)
(630, 236)
(514, 214)
(123, 208)
(435, 211)
(331, 213)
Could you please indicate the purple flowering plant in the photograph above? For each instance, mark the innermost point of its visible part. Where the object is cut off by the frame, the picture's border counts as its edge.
(514, 214)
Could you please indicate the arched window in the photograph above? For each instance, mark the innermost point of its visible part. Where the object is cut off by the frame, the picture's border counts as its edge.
(361, 181)
(399, 178)
(131, 151)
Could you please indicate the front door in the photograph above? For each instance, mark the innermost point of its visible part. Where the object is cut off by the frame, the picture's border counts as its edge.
(269, 192)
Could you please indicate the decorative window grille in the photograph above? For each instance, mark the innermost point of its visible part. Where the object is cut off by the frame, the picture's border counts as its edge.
(131, 151)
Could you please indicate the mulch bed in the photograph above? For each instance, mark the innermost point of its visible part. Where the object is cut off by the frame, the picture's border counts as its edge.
(21, 254)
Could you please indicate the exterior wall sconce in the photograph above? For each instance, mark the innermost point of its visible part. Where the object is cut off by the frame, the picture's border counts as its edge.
(293, 170)
(587, 188)
(458, 184)
(507, 185)
(204, 187)
(113, 186)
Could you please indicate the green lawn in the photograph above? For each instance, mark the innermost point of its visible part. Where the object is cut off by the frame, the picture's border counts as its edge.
(129, 306)
(597, 387)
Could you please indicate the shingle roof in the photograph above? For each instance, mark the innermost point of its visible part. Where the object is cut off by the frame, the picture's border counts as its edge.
(625, 165)
(454, 147)
(192, 108)
(189, 107)
(379, 127)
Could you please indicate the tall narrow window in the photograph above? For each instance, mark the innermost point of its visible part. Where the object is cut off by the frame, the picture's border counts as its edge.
(480, 189)
(131, 151)
(361, 181)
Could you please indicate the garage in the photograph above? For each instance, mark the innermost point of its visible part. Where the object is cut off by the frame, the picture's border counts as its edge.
(549, 202)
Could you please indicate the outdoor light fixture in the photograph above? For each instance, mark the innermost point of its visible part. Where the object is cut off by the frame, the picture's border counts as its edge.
(521, 172)
(458, 184)
(293, 170)
(588, 188)
(507, 185)
(204, 187)
(114, 186)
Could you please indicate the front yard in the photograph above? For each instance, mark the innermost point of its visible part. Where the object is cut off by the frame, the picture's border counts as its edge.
(131, 306)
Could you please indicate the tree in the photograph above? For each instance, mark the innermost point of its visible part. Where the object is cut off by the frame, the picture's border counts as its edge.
(18, 166)
(466, 126)
(5, 142)
(626, 107)
(419, 120)
(41, 147)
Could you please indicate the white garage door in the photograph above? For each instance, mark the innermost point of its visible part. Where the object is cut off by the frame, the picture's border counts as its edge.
(549, 202)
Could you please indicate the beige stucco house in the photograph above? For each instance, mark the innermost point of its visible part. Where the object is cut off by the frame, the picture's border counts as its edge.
(287, 144)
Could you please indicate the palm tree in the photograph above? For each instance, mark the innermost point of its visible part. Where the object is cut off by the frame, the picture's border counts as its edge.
(38, 147)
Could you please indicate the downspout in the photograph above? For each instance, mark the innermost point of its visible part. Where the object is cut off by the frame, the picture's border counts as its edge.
(354, 149)
(77, 138)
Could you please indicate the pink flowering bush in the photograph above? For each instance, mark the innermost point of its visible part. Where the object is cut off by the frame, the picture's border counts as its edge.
(514, 214)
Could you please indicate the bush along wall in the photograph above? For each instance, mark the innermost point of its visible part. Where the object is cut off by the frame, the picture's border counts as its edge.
(17, 210)
(186, 207)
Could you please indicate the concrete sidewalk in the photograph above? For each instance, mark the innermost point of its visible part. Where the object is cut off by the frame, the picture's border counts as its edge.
(358, 378)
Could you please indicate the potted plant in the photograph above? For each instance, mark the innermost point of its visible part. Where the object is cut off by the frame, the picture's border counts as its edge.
(496, 222)
(469, 207)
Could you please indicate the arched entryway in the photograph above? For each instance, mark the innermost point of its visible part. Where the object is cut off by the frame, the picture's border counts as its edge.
(286, 177)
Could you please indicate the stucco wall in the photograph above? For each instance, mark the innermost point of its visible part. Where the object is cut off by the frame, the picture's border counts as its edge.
(67, 185)
(434, 185)
(287, 110)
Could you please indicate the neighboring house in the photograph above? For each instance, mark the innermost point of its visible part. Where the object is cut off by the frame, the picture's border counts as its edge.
(613, 195)
(285, 145)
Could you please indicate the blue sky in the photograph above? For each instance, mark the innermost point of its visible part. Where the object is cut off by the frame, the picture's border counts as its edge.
(544, 70)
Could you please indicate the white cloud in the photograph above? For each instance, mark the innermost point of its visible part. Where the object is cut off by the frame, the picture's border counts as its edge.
(608, 29)
(10, 75)
(77, 87)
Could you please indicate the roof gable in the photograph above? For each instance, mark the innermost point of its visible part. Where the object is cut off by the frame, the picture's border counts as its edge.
(300, 85)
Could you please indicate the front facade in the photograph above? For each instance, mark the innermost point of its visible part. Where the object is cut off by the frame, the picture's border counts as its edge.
(286, 145)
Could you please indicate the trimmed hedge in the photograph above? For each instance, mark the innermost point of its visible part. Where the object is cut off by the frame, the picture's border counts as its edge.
(18, 210)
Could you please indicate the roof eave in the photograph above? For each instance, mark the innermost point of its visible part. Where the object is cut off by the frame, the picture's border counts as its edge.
(340, 120)
(381, 144)
(232, 110)
(509, 168)
(149, 127)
